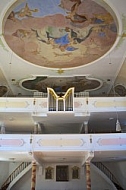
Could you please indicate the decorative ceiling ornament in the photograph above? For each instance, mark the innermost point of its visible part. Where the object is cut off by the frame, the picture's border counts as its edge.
(60, 71)
(66, 34)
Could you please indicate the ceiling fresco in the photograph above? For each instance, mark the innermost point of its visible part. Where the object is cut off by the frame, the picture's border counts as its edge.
(3, 90)
(80, 83)
(120, 90)
(60, 33)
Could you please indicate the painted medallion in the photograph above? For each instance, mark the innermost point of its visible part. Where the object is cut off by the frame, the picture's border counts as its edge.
(60, 33)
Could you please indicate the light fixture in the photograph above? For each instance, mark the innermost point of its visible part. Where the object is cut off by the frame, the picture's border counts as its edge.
(118, 126)
(2, 128)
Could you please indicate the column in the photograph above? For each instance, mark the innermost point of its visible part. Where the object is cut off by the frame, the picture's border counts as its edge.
(88, 177)
(86, 127)
(33, 177)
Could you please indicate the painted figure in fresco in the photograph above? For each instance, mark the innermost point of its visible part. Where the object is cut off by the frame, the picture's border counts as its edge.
(12, 16)
(73, 15)
(21, 33)
(64, 39)
(26, 11)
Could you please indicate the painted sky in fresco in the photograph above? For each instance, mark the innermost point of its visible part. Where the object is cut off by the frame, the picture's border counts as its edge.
(49, 7)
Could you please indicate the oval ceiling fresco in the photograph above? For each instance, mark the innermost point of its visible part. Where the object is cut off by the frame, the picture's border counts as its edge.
(60, 33)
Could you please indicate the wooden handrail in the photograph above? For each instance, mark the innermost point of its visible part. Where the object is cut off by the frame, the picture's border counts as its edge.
(14, 174)
(108, 173)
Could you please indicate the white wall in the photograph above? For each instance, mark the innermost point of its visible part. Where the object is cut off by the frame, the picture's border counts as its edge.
(118, 169)
(4, 172)
(23, 183)
(97, 181)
